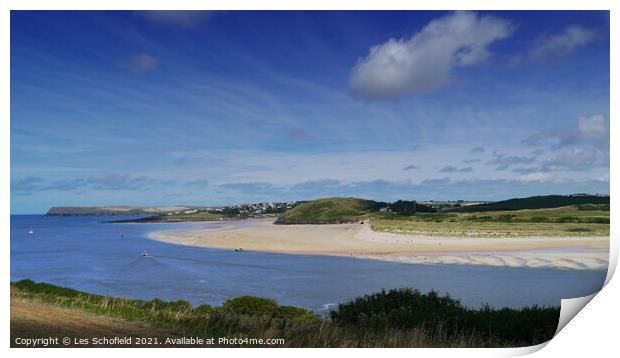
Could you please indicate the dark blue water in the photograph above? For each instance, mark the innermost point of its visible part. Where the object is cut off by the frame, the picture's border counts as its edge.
(85, 254)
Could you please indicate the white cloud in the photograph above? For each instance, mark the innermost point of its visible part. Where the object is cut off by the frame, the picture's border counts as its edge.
(425, 62)
(561, 44)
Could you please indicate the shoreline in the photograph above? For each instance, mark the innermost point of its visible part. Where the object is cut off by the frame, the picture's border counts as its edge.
(360, 241)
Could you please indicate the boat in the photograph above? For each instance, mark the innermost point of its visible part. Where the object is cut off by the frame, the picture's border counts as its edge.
(30, 232)
(239, 249)
(122, 234)
(145, 254)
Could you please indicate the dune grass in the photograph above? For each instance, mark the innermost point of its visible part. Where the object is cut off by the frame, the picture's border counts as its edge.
(575, 220)
(397, 318)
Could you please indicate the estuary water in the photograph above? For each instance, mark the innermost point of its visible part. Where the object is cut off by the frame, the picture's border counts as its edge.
(87, 254)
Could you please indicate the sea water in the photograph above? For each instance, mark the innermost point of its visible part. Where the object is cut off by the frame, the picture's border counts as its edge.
(87, 254)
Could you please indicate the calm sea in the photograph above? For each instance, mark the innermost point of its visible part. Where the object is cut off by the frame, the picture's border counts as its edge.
(85, 254)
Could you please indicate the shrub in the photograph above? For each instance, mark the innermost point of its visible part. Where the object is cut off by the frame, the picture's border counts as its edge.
(406, 309)
(249, 305)
(567, 219)
(505, 218)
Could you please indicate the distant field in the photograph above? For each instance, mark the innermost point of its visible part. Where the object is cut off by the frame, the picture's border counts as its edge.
(576, 220)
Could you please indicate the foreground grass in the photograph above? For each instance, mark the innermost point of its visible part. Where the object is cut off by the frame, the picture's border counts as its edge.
(576, 220)
(398, 318)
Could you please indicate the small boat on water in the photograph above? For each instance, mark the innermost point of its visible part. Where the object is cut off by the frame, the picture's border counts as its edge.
(30, 232)
(145, 254)
(239, 249)
(122, 234)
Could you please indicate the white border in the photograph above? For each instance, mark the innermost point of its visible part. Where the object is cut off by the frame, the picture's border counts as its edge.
(591, 333)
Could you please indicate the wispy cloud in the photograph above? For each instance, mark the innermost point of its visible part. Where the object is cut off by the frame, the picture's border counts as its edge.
(410, 167)
(503, 161)
(453, 169)
(200, 183)
(570, 159)
(180, 18)
(142, 62)
(26, 184)
(424, 63)
(561, 44)
(438, 188)
(95, 182)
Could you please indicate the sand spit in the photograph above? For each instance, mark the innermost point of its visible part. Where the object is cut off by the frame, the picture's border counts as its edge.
(360, 241)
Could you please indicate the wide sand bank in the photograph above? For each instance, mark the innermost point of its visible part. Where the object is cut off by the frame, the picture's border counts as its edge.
(359, 240)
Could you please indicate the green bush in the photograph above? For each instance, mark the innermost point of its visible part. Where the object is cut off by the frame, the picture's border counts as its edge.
(406, 309)
(250, 305)
(505, 218)
(46, 289)
(567, 219)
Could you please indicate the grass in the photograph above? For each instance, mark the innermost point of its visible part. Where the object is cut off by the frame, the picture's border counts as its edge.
(329, 211)
(201, 215)
(397, 318)
(575, 220)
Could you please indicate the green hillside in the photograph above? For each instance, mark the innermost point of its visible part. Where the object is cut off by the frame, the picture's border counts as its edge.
(535, 202)
(329, 211)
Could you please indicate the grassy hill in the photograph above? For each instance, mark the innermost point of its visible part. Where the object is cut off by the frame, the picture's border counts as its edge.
(329, 211)
(535, 202)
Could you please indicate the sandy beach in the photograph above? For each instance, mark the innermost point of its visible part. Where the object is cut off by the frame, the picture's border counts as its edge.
(360, 241)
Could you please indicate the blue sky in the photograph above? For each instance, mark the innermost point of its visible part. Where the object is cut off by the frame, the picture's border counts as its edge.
(210, 108)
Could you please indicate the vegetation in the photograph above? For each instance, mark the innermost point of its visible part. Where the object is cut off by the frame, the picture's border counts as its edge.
(577, 220)
(408, 309)
(396, 318)
(112, 210)
(536, 202)
(199, 215)
(330, 211)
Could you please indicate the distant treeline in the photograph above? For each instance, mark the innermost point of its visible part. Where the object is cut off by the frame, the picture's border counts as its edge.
(534, 202)
(406, 207)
